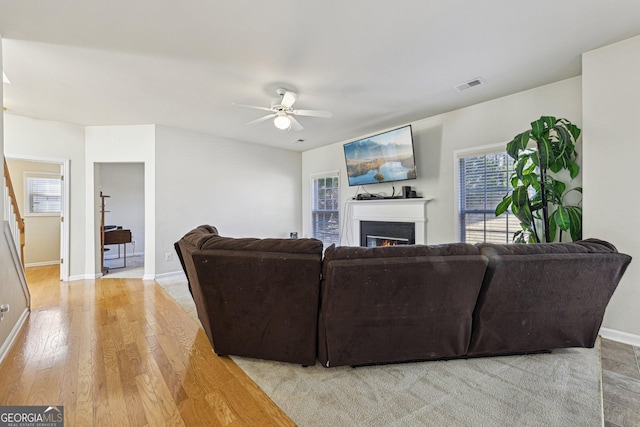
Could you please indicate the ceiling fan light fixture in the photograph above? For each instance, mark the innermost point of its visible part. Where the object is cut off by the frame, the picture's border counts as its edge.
(282, 122)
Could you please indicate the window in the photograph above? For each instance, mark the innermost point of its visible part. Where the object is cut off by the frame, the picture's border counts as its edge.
(325, 207)
(43, 193)
(483, 182)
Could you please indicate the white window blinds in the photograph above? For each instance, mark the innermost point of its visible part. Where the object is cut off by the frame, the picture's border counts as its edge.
(483, 182)
(325, 207)
(43, 193)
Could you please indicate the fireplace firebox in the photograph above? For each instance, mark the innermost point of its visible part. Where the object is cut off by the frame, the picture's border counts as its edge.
(386, 233)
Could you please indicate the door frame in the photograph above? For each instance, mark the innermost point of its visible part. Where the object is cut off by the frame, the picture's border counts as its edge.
(65, 251)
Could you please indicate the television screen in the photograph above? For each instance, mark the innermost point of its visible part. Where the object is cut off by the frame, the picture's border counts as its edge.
(385, 157)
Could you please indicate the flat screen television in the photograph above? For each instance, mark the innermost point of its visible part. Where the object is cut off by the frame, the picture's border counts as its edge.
(385, 157)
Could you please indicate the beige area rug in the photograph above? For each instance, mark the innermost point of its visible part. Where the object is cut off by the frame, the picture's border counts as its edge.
(562, 388)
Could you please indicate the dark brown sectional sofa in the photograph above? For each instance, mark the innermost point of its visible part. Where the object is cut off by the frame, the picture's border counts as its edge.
(267, 298)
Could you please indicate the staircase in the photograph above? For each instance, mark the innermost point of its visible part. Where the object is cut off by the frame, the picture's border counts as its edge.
(12, 213)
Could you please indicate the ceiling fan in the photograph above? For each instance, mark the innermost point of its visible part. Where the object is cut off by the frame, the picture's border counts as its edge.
(282, 112)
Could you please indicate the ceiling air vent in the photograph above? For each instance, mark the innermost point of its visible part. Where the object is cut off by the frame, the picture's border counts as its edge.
(468, 85)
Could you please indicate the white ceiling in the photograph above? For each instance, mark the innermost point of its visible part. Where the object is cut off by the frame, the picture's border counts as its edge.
(374, 64)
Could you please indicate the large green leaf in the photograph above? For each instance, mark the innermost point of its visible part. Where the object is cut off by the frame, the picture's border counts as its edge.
(563, 134)
(556, 190)
(549, 121)
(531, 165)
(503, 205)
(536, 187)
(562, 218)
(518, 144)
(520, 204)
(557, 165)
(519, 166)
(530, 179)
(546, 152)
(575, 131)
(574, 169)
(564, 150)
(535, 159)
(575, 215)
(538, 129)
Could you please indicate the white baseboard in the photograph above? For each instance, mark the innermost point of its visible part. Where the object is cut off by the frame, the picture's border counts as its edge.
(170, 274)
(619, 336)
(144, 277)
(40, 264)
(85, 277)
(4, 349)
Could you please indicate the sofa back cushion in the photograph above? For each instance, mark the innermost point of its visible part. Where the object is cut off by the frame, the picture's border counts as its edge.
(400, 303)
(543, 296)
(293, 246)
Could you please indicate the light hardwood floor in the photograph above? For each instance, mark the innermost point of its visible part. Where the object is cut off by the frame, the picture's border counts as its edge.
(121, 352)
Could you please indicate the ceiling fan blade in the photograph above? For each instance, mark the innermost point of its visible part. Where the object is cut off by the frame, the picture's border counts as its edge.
(288, 99)
(262, 119)
(313, 113)
(295, 125)
(255, 107)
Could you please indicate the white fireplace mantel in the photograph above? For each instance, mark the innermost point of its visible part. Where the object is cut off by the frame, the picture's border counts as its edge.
(392, 210)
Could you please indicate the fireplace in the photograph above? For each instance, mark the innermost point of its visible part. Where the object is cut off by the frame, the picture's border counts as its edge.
(386, 233)
(413, 211)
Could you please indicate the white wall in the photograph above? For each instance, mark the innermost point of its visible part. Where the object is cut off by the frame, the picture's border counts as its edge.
(48, 140)
(437, 138)
(124, 182)
(611, 152)
(242, 189)
(42, 232)
(119, 144)
(11, 291)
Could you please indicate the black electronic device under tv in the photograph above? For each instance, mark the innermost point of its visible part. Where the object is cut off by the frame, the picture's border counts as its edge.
(385, 157)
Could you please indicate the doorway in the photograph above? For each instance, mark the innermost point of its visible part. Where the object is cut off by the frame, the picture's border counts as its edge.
(43, 209)
(122, 184)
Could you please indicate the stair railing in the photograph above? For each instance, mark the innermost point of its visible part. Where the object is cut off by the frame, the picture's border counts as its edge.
(12, 213)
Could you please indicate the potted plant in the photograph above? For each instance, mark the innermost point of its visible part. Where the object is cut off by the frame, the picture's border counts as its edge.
(539, 196)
